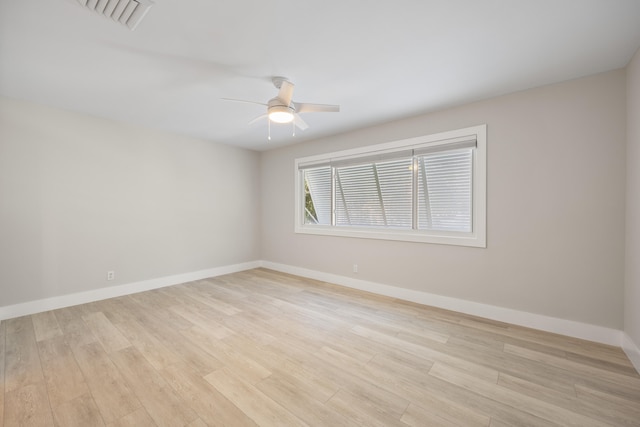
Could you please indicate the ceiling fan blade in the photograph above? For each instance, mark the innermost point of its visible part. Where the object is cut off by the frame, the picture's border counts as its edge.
(301, 124)
(257, 119)
(316, 108)
(286, 92)
(245, 101)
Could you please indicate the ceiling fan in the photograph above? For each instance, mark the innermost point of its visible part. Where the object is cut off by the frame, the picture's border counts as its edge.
(282, 108)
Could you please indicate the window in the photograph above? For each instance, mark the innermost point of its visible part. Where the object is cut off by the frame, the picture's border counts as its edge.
(426, 189)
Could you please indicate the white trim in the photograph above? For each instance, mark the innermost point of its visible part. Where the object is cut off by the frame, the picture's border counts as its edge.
(477, 238)
(536, 321)
(530, 320)
(632, 350)
(38, 306)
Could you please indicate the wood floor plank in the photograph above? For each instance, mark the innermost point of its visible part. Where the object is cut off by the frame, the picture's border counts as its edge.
(152, 348)
(159, 399)
(362, 412)
(197, 423)
(407, 375)
(480, 404)
(401, 366)
(280, 361)
(497, 423)
(255, 404)
(22, 362)
(260, 330)
(156, 299)
(188, 351)
(166, 326)
(570, 344)
(427, 351)
(560, 342)
(183, 300)
(137, 418)
(606, 364)
(351, 376)
(311, 358)
(262, 348)
(498, 360)
(377, 395)
(221, 288)
(81, 411)
(108, 386)
(609, 413)
(617, 410)
(576, 367)
(62, 374)
(302, 404)
(209, 300)
(45, 325)
(209, 404)
(234, 360)
(498, 393)
(28, 406)
(201, 320)
(160, 316)
(416, 416)
(76, 333)
(107, 334)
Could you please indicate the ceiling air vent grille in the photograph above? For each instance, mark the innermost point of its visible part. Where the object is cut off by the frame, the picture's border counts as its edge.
(127, 12)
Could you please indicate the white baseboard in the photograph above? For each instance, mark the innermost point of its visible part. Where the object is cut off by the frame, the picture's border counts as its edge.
(38, 306)
(530, 320)
(632, 350)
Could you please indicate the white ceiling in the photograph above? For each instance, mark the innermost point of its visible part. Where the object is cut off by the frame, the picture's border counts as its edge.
(380, 60)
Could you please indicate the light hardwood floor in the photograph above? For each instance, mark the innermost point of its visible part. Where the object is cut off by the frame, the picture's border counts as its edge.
(269, 349)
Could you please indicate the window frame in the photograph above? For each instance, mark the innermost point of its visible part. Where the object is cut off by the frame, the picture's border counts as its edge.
(476, 238)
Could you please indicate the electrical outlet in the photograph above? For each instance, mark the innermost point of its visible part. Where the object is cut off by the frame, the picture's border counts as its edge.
(111, 275)
(355, 268)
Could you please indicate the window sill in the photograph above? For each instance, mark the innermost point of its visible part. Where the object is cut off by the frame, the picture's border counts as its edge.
(443, 238)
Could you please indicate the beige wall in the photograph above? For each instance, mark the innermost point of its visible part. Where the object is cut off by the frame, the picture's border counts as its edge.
(556, 201)
(632, 270)
(80, 196)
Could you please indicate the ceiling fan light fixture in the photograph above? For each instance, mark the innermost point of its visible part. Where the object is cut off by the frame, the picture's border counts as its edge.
(282, 108)
(281, 114)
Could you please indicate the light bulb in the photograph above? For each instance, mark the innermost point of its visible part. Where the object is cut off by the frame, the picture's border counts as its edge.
(281, 116)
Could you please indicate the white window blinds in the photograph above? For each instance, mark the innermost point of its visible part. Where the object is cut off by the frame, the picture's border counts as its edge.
(445, 190)
(375, 194)
(430, 189)
(317, 209)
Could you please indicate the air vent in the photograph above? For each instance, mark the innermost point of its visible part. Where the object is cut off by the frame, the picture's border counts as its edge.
(127, 12)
